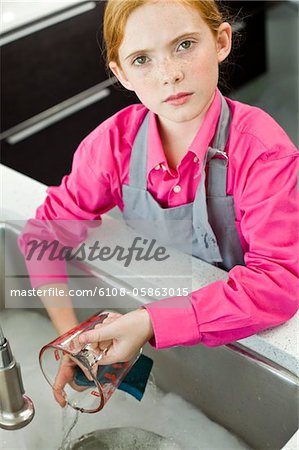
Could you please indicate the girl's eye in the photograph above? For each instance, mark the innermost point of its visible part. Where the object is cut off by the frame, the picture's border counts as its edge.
(140, 60)
(186, 45)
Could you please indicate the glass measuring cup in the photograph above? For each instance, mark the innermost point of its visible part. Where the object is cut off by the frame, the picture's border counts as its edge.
(89, 385)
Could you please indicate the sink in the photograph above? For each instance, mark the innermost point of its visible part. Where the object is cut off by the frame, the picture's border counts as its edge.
(249, 395)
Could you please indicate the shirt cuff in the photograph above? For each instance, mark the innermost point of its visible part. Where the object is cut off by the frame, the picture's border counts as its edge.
(174, 322)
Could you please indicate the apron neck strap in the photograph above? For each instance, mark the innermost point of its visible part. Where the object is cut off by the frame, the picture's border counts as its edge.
(218, 166)
(138, 162)
(221, 135)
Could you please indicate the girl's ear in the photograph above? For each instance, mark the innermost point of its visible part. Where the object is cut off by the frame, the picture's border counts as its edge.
(120, 75)
(224, 41)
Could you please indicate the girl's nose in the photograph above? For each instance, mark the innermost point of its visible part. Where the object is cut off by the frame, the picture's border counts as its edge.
(171, 73)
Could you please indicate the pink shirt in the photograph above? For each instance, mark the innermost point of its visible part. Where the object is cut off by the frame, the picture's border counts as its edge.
(262, 177)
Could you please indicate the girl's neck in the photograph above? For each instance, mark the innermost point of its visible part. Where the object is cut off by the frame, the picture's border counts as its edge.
(176, 137)
(177, 131)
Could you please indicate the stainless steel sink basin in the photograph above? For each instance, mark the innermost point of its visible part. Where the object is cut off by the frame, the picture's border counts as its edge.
(251, 396)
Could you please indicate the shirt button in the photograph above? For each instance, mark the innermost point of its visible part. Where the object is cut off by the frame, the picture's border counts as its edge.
(157, 167)
(177, 188)
(195, 159)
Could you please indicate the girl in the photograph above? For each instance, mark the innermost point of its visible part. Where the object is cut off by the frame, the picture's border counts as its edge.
(187, 152)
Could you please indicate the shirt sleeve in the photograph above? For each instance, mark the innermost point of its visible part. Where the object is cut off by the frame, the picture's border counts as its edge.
(67, 213)
(259, 295)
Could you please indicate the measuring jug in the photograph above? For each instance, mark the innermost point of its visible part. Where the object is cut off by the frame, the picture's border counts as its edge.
(89, 385)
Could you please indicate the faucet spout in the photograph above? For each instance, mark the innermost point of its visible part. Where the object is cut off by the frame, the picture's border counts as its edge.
(16, 409)
(2, 337)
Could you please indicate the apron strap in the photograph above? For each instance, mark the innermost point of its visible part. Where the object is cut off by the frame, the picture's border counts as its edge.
(222, 131)
(138, 162)
(217, 175)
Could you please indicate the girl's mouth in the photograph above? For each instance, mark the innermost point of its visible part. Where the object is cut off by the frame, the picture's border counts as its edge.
(179, 99)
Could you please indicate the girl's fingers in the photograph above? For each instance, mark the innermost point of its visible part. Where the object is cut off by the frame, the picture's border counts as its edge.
(102, 345)
(65, 374)
(100, 333)
(59, 396)
(78, 388)
(111, 317)
(109, 357)
(84, 370)
(121, 351)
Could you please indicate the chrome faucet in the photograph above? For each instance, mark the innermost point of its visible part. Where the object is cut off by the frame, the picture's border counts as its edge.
(16, 409)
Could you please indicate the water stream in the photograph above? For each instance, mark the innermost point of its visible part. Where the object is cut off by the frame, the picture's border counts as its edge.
(70, 419)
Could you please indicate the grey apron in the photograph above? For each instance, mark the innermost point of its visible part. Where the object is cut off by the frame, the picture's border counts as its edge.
(207, 224)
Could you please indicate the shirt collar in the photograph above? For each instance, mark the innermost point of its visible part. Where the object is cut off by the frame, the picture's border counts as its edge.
(199, 144)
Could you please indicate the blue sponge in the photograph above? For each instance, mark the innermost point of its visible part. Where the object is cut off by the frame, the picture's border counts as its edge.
(134, 382)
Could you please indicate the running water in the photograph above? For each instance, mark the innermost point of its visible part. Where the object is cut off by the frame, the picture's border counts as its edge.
(72, 416)
(151, 385)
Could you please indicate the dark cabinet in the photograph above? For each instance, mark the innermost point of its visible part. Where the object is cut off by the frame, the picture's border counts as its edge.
(47, 155)
(51, 95)
(49, 66)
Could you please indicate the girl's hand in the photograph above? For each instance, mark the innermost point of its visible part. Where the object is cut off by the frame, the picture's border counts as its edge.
(66, 372)
(124, 335)
(65, 376)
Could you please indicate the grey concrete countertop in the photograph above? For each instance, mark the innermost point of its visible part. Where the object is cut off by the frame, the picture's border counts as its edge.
(293, 443)
(21, 196)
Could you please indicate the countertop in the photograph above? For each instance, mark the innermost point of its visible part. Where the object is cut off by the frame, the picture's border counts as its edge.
(293, 443)
(20, 196)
